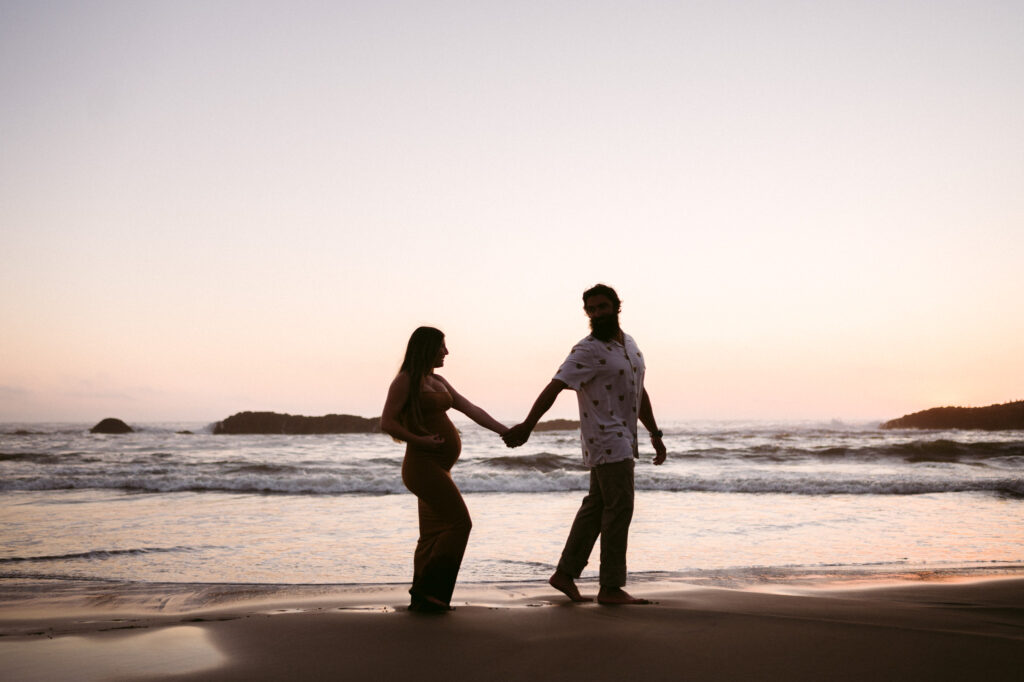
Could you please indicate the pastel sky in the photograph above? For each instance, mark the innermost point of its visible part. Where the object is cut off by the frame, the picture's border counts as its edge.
(810, 209)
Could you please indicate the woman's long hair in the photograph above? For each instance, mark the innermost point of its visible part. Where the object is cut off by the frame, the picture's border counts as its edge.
(420, 355)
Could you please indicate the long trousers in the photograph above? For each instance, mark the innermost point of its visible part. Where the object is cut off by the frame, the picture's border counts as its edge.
(606, 511)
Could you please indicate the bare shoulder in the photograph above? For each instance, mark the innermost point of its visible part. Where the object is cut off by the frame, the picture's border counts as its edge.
(398, 392)
(401, 381)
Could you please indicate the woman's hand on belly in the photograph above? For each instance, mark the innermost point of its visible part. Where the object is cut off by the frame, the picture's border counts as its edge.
(431, 442)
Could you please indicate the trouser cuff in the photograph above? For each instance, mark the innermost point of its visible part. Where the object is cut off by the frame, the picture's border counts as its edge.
(570, 567)
(616, 579)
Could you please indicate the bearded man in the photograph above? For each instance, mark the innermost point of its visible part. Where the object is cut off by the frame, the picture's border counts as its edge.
(606, 369)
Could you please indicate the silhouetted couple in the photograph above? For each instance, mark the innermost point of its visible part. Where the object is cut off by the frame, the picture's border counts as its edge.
(606, 369)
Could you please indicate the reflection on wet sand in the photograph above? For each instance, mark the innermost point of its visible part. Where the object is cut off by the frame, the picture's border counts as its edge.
(176, 650)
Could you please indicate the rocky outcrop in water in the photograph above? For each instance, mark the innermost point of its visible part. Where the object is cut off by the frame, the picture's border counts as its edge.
(111, 425)
(558, 425)
(274, 422)
(1005, 417)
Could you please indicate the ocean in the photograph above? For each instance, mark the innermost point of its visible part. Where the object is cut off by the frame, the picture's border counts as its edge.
(735, 502)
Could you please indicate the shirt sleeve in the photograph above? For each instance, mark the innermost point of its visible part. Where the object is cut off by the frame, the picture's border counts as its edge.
(578, 368)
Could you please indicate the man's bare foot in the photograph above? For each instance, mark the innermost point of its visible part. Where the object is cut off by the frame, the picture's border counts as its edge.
(565, 584)
(617, 596)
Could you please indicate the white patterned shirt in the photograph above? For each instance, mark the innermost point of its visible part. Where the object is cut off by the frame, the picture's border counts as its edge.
(609, 382)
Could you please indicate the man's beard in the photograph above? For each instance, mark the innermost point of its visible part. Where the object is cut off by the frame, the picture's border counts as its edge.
(605, 328)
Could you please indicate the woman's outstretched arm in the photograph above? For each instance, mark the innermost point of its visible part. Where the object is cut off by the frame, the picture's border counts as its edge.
(475, 413)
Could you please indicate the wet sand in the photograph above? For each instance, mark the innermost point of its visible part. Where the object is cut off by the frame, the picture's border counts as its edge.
(947, 629)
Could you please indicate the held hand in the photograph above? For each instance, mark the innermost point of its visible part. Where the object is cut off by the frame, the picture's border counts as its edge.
(660, 452)
(430, 442)
(516, 436)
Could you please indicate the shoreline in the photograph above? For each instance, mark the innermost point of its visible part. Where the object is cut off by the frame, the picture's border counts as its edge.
(33, 592)
(914, 625)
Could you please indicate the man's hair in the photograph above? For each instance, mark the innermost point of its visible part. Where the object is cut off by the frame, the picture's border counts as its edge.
(603, 290)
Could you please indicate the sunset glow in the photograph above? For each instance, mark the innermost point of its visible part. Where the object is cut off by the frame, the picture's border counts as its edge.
(808, 211)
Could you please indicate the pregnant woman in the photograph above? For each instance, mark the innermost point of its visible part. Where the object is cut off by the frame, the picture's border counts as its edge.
(415, 412)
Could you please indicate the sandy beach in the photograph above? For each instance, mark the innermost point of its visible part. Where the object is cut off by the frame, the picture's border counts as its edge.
(931, 629)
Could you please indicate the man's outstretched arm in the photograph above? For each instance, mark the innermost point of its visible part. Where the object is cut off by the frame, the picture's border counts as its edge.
(520, 433)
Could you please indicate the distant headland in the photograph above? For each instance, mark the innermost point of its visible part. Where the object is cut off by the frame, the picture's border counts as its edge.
(273, 422)
(288, 424)
(1004, 417)
(558, 425)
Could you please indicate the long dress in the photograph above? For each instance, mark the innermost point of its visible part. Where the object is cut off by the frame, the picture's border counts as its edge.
(444, 519)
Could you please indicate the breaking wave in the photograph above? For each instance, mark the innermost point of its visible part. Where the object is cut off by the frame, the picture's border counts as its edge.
(94, 554)
(521, 479)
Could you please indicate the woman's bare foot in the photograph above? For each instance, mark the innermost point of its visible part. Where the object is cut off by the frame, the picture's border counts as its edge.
(617, 595)
(565, 584)
(427, 604)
